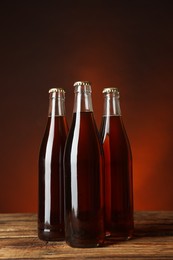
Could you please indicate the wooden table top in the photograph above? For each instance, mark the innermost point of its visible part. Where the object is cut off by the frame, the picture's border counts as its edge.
(153, 239)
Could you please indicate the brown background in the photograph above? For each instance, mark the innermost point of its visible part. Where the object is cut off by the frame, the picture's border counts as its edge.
(128, 44)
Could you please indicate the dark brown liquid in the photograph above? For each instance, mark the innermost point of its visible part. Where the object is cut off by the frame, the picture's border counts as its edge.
(118, 178)
(83, 164)
(51, 181)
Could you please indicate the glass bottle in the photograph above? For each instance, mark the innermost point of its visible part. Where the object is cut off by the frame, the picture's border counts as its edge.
(51, 180)
(83, 165)
(118, 169)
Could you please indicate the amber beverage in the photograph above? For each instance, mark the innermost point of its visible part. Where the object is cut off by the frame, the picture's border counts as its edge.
(118, 169)
(51, 179)
(83, 165)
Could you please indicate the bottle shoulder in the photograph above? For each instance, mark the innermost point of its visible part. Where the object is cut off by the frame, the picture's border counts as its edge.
(113, 127)
(83, 121)
(83, 131)
(55, 133)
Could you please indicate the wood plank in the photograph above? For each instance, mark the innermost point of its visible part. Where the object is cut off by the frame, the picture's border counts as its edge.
(34, 249)
(153, 240)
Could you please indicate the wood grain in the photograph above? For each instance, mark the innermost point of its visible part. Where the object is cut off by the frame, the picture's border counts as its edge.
(153, 239)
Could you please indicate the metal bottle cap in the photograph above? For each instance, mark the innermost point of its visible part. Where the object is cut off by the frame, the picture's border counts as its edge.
(57, 92)
(110, 90)
(82, 86)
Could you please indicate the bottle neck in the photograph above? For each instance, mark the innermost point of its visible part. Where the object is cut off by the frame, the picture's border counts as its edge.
(83, 100)
(111, 104)
(56, 103)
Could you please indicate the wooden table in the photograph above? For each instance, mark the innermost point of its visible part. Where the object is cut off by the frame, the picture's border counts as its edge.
(153, 240)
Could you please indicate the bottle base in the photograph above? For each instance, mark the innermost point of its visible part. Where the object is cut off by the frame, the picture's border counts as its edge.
(118, 236)
(50, 235)
(78, 243)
